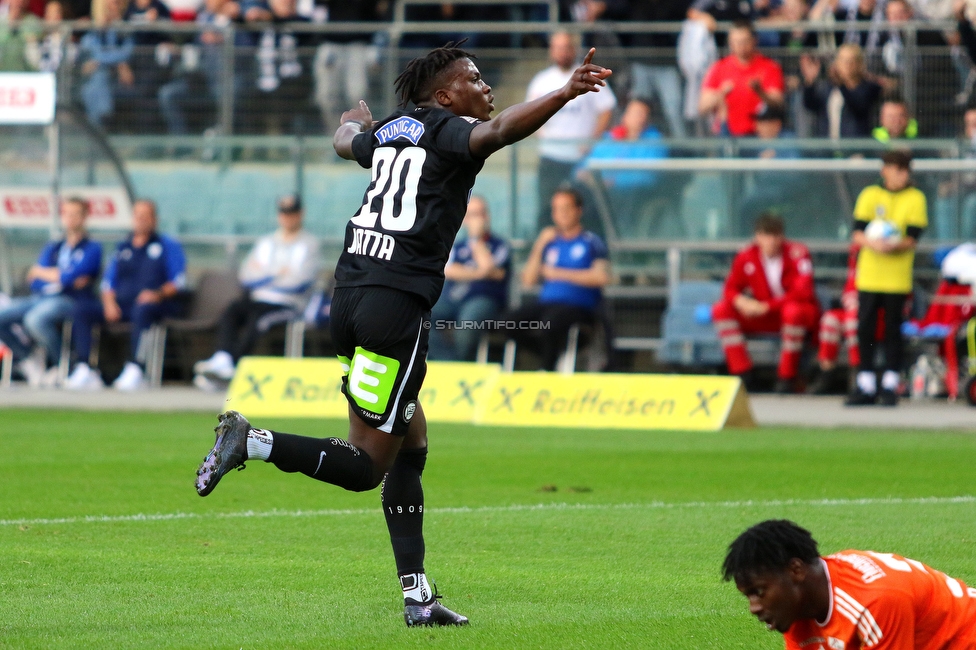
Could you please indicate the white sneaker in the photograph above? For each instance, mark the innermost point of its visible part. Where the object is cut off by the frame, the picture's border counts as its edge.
(220, 366)
(131, 379)
(33, 370)
(84, 378)
(208, 385)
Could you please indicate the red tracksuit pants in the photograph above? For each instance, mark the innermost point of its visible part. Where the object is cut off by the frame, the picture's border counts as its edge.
(838, 325)
(793, 322)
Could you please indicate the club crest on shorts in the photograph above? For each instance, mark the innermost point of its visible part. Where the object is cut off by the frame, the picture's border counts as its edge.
(409, 410)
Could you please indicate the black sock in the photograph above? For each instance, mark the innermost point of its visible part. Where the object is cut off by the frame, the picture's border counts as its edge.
(331, 460)
(403, 506)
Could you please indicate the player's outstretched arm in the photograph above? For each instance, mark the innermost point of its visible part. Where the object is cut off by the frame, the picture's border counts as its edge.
(351, 124)
(520, 121)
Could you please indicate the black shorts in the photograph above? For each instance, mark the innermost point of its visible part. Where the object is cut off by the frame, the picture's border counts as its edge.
(381, 336)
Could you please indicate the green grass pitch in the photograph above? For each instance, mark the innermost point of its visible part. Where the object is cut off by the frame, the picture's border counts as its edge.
(544, 538)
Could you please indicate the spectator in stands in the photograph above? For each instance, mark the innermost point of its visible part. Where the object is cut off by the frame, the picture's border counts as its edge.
(476, 287)
(850, 12)
(344, 61)
(788, 11)
(897, 43)
(147, 12)
(66, 270)
(283, 80)
(838, 324)
(848, 85)
(652, 80)
(895, 122)
(78, 9)
(736, 85)
(884, 273)
(770, 191)
(711, 12)
(572, 265)
(151, 60)
(563, 140)
(890, 42)
(140, 286)
(591, 11)
(933, 10)
(769, 290)
(961, 191)
(964, 15)
(184, 11)
(177, 96)
(19, 32)
(697, 53)
(54, 47)
(104, 54)
(278, 276)
(629, 191)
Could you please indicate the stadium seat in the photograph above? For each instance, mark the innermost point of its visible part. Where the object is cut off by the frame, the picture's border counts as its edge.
(686, 340)
(215, 291)
(150, 352)
(582, 337)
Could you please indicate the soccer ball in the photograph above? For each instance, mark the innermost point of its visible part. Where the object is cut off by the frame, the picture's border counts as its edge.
(882, 230)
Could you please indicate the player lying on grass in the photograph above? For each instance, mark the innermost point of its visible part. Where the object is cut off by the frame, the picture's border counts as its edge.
(424, 161)
(848, 600)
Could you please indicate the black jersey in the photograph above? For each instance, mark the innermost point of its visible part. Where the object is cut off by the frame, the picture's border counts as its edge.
(422, 175)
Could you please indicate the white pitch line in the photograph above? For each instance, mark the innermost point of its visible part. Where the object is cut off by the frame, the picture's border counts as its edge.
(653, 505)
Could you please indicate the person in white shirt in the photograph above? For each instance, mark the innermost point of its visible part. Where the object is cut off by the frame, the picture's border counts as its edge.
(564, 139)
(278, 275)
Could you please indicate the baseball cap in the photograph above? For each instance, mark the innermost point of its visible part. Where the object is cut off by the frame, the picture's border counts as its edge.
(290, 203)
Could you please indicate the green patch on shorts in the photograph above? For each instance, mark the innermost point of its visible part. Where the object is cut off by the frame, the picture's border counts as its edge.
(371, 380)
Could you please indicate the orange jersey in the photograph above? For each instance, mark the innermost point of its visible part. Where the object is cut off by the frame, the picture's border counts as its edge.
(888, 602)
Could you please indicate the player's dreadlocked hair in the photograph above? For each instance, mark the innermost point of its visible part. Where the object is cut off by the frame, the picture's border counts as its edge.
(768, 546)
(415, 83)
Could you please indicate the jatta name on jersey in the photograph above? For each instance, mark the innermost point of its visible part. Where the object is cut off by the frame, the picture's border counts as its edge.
(371, 243)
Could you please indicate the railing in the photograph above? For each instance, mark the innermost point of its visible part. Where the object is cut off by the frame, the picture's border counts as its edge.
(707, 190)
(218, 82)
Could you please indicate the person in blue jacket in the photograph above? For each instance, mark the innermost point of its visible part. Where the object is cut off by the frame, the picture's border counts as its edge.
(629, 191)
(572, 265)
(143, 278)
(66, 271)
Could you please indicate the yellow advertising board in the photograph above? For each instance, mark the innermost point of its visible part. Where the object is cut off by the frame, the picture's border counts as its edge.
(279, 387)
(452, 391)
(616, 401)
(482, 394)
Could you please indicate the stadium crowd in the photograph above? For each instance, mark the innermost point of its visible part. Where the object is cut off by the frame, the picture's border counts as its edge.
(829, 65)
(830, 78)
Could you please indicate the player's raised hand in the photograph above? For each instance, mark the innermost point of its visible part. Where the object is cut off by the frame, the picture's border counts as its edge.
(360, 114)
(587, 78)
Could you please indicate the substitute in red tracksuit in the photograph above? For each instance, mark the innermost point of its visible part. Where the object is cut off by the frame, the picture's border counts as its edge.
(841, 323)
(769, 289)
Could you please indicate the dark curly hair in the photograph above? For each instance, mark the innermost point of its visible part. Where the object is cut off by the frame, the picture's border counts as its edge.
(768, 546)
(417, 81)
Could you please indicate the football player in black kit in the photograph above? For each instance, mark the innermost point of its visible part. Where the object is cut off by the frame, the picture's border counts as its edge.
(424, 159)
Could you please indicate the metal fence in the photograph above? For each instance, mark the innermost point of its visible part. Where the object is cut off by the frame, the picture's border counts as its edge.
(282, 78)
(199, 135)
